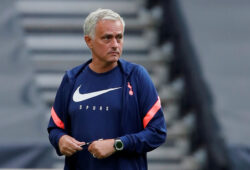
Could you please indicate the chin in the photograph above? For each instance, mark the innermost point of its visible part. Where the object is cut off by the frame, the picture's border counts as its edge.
(114, 58)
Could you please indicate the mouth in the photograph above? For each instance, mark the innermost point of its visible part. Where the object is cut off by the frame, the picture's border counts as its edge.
(114, 53)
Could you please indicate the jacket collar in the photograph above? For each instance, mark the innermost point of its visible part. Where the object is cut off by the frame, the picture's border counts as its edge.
(126, 68)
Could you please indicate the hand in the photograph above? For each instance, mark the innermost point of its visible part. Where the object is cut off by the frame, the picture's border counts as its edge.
(102, 148)
(69, 145)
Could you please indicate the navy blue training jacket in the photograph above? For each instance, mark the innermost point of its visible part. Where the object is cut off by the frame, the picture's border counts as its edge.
(142, 127)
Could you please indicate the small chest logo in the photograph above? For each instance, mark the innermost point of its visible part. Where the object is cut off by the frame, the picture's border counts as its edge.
(130, 89)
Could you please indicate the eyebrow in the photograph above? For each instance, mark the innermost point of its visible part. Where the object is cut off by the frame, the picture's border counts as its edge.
(109, 34)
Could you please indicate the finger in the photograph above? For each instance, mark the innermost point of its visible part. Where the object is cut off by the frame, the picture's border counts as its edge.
(76, 147)
(91, 147)
(71, 151)
(79, 148)
(67, 152)
(77, 142)
(67, 146)
(81, 143)
(71, 147)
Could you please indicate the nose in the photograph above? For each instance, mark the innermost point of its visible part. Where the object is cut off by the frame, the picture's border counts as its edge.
(114, 43)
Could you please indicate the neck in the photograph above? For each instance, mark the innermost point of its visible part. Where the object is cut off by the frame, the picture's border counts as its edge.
(102, 68)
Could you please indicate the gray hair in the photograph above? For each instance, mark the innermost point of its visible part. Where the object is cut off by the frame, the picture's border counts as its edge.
(100, 14)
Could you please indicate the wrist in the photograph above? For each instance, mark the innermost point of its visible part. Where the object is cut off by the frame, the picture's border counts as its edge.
(118, 144)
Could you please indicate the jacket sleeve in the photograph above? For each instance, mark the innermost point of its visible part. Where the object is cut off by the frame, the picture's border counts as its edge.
(154, 132)
(56, 127)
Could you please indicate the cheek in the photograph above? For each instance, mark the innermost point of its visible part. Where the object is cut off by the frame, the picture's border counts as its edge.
(101, 47)
(102, 50)
(121, 46)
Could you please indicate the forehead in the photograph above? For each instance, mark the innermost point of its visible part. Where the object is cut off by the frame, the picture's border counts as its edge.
(109, 27)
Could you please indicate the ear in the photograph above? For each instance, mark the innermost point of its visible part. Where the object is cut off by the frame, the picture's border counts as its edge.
(88, 41)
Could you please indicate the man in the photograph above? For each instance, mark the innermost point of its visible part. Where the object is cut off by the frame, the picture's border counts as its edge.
(106, 114)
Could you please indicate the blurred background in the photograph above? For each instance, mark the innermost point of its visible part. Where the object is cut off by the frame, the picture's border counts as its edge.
(197, 53)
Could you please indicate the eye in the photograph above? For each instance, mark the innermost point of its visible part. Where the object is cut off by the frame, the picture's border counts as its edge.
(119, 36)
(107, 37)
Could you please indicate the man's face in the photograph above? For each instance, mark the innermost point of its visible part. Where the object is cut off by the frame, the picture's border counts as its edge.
(107, 44)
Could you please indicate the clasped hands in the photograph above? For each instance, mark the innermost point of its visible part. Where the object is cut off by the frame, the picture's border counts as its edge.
(100, 149)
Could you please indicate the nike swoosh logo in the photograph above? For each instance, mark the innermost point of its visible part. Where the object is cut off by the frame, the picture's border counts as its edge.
(78, 97)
